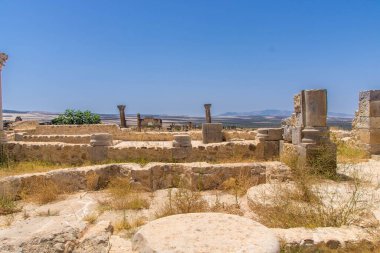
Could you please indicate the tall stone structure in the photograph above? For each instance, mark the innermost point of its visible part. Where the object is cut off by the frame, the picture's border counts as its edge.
(139, 122)
(306, 133)
(208, 112)
(366, 124)
(123, 122)
(3, 59)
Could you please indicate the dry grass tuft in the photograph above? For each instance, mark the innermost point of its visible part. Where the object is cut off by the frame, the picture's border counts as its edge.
(130, 225)
(181, 201)
(122, 196)
(238, 186)
(303, 204)
(7, 205)
(348, 152)
(41, 191)
(91, 218)
(92, 181)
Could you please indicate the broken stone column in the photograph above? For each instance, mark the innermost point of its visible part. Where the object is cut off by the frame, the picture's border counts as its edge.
(99, 146)
(212, 132)
(316, 149)
(366, 125)
(139, 122)
(3, 137)
(181, 146)
(123, 122)
(208, 112)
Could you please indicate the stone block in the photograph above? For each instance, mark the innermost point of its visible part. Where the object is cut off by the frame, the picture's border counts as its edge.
(287, 135)
(98, 153)
(368, 136)
(212, 132)
(271, 149)
(101, 139)
(314, 109)
(374, 108)
(367, 122)
(297, 103)
(296, 135)
(369, 103)
(270, 134)
(181, 141)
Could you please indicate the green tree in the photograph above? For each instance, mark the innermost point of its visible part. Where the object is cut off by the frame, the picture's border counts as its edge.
(76, 117)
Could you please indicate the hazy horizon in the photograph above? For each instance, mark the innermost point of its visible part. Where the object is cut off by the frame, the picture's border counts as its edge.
(171, 57)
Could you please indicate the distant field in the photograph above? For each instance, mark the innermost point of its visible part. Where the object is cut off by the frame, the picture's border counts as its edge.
(233, 121)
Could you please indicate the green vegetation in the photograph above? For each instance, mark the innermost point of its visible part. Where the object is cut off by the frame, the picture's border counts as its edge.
(76, 117)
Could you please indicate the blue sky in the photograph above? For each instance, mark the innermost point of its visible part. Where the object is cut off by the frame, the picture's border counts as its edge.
(173, 56)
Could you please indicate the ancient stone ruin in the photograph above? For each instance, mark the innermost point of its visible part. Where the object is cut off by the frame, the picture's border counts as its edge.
(187, 189)
(123, 122)
(366, 124)
(306, 133)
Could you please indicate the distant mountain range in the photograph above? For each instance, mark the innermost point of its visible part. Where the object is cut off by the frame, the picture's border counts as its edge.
(279, 113)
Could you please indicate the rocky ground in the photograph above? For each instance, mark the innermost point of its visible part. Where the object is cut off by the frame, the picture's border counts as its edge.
(81, 222)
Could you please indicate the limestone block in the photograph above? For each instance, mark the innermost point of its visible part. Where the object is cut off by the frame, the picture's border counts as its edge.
(296, 135)
(374, 108)
(315, 108)
(270, 134)
(271, 149)
(315, 135)
(204, 232)
(367, 122)
(98, 153)
(297, 103)
(181, 153)
(19, 136)
(181, 141)
(212, 132)
(287, 135)
(369, 103)
(101, 139)
(368, 136)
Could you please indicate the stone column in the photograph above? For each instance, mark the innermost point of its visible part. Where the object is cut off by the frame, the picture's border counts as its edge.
(123, 122)
(139, 122)
(208, 112)
(314, 115)
(3, 59)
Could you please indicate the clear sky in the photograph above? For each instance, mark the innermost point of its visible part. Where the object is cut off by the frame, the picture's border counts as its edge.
(171, 57)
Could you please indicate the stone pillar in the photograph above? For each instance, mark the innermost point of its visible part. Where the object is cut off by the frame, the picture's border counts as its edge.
(99, 146)
(139, 122)
(182, 146)
(123, 122)
(208, 112)
(366, 125)
(314, 116)
(3, 59)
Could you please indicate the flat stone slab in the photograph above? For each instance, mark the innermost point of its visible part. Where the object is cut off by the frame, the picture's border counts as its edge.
(204, 232)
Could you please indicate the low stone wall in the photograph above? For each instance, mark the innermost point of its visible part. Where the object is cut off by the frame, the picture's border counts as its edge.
(76, 139)
(79, 153)
(153, 176)
(51, 152)
(126, 134)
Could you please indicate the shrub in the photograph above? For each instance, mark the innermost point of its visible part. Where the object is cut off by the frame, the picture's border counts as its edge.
(76, 117)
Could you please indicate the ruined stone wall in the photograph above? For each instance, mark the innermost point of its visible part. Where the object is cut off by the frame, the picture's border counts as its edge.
(50, 152)
(81, 153)
(153, 176)
(75, 139)
(366, 125)
(124, 134)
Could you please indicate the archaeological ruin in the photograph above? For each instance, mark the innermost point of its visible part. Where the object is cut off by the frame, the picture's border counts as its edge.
(143, 188)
